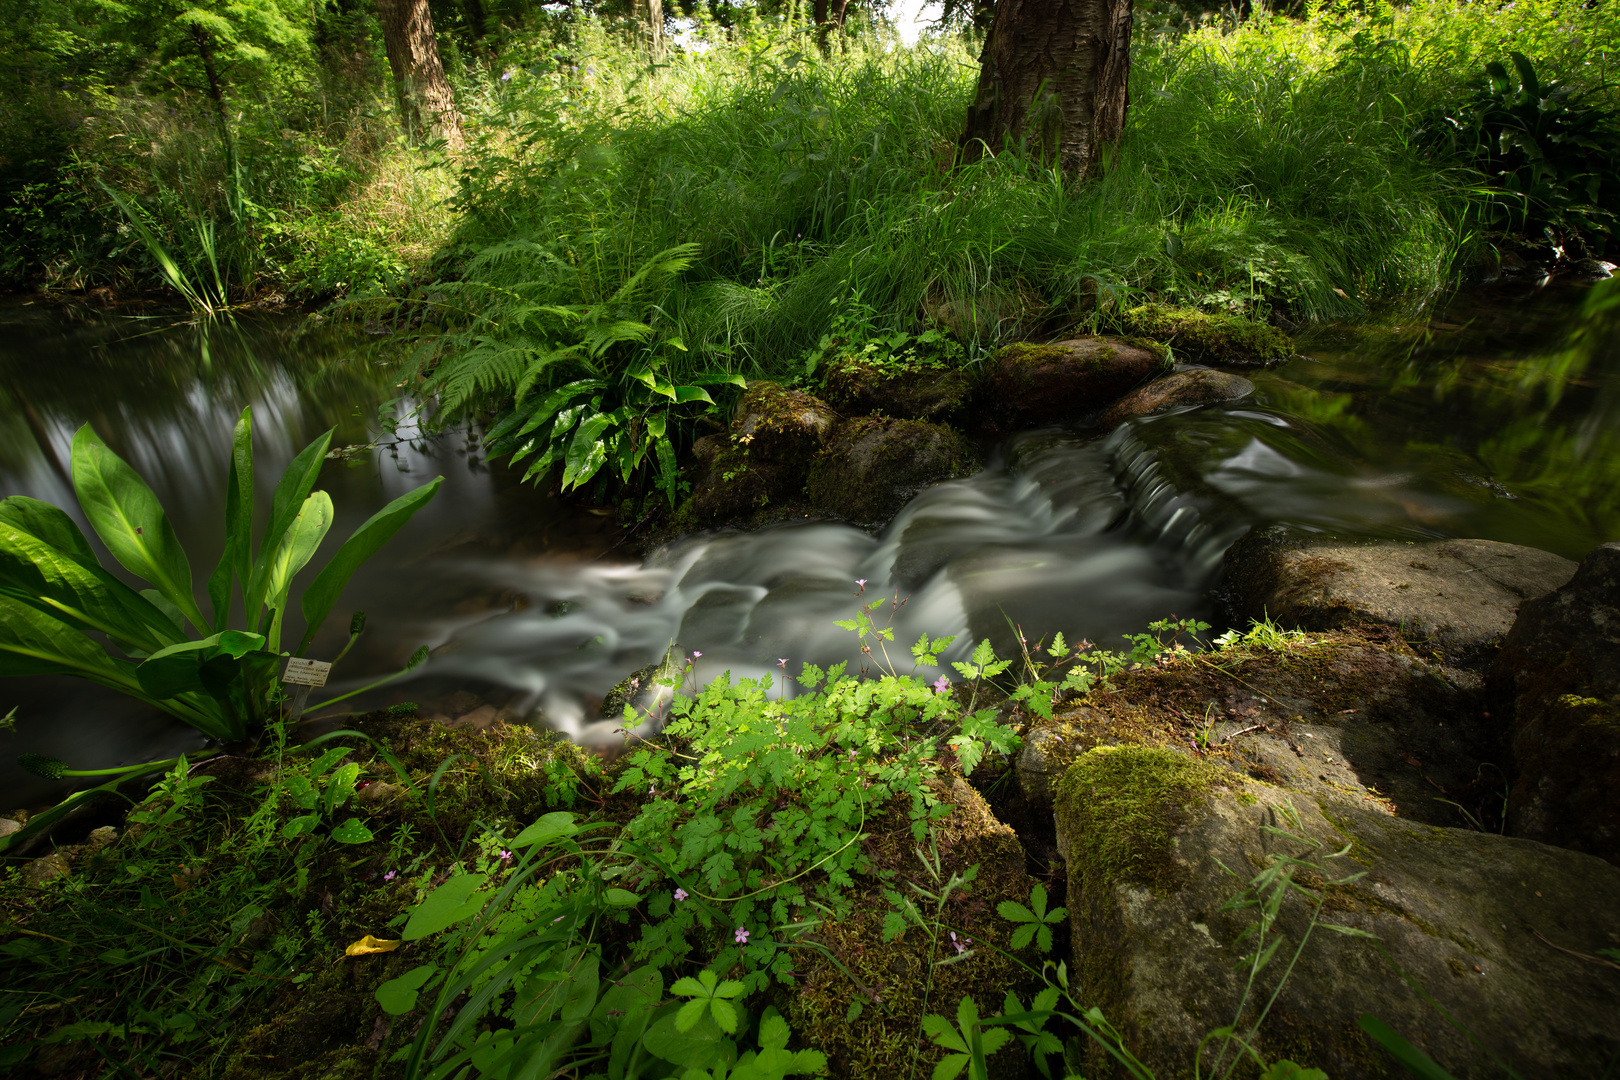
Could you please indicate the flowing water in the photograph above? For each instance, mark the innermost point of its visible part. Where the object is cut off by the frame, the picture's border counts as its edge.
(1499, 418)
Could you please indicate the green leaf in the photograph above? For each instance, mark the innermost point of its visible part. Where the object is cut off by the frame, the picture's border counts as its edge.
(352, 832)
(130, 521)
(547, 829)
(690, 1013)
(398, 996)
(285, 505)
(298, 826)
(725, 1014)
(684, 394)
(621, 898)
(50, 524)
(298, 545)
(236, 560)
(33, 642)
(585, 451)
(455, 901)
(365, 542)
(1411, 1059)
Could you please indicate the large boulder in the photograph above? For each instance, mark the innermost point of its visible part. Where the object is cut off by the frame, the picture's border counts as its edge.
(1339, 715)
(779, 425)
(1501, 933)
(1202, 338)
(1456, 598)
(872, 466)
(1560, 670)
(1043, 384)
(1181, 390)
(859, 386)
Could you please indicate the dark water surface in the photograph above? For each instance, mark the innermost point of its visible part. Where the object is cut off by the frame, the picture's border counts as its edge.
(1498, 418)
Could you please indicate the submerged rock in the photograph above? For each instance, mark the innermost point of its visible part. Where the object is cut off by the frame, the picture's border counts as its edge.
(1456, 597)
(911, 392)
(1202, 338)
(1182, 390)
(1499, 932)
(1042, 384)
(1560, 668)
(872, 466)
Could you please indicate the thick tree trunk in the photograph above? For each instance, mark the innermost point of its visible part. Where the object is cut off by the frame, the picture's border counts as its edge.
(653, 11)
(427, 108)
(1053, 82)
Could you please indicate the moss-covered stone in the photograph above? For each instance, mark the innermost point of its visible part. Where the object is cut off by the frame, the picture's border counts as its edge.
(1034, 384)
(1203, 338)
(1181, 390)
(898, 982)
(781, 426)
(861, 386)
(872, 466)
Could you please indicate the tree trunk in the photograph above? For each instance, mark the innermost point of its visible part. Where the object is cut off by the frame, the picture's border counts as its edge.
(829, 16)
(427, 108)
(1053, 82)
(654, 12)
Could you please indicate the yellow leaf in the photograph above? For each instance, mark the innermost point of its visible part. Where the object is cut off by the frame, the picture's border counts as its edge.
(368, 944)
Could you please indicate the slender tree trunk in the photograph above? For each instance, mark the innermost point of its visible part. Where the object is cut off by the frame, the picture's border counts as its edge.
(653, 11)
(829, 16)
(1053, 82)
(427, 107)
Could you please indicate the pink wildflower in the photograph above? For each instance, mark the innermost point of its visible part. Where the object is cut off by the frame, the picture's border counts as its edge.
(680, 894)
(741, 936)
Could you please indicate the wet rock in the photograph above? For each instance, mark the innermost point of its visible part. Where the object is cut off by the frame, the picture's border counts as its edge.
(1339, 715)
(1157, 844)
(731, 483)
(99, 838)
(779, 425)
(1201, 338)
(872, 466)
(1455, 597)
(906, 973)
(1042, 384)
(1182, 390)
(47, 868)
(860, 387)
(644, 690)
(1587, 270)
(480, 719)
(1560, 668)
(9, 826)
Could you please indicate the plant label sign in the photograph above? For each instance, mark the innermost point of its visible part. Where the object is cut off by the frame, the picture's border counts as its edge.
(302, 672)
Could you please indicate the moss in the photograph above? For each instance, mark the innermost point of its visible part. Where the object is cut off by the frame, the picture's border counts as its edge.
(1210, 339)
(873, 465)
(914, 390)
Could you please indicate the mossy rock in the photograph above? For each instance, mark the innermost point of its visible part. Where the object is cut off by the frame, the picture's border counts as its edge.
(1042, 384)
(781, 426)
(1203, 338)
(901, 981)
(1181, 390)
(1159, 843)
(732, 483)
(872, 466)
(859, 386)
(1558, 675)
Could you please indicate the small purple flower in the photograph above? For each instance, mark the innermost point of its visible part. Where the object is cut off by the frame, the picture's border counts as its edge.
(862, 583)
(506, 76)
(961, 946)
(589, 70)
(506, 856)
(941, 685)
(741, 936)
(391, 875)
(680, 894)
(781, 662)
(696, 654)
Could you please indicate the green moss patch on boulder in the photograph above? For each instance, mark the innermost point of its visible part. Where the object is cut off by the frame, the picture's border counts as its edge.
(934, 392)
(779, 425)
(1203, 338)
(1041, 384)
(872, 466)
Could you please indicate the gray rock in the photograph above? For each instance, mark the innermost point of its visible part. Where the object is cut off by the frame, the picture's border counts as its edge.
(1587, 270)
(47, 868)
(873, 466)
(8, 826)
(1182, 390)
(1500, 932)
(1456, 598)
(935, 394)
(1042, 384)
(1559, 670)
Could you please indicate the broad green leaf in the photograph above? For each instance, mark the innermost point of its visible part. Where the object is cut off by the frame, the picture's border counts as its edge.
(454, 901)
(285, 505)
(85, 594)
(683, 394)
(237, 558)
(398, 996)
(129, 519)
(177, 669)
(552, 402)
(585, 451)
(545, 830)
(50, 524)
(298, 544)
(1412, 1059)
(328, 585)
(33, 642)
(298, 826)
(352, 832)
(621, 898)
(339, 787)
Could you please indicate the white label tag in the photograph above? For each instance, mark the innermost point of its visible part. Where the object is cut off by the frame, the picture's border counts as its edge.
(301, 672)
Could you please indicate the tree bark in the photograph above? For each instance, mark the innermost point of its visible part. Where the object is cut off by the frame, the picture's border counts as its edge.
(1053, 83)
(427, 107)
(654, 12)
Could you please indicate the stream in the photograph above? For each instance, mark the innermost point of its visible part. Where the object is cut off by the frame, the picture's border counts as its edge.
(1497, 417)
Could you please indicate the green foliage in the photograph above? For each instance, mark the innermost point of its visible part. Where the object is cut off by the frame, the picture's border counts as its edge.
(54, 594)
(1035, 922)
(971, 1043)
(1548, 149)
